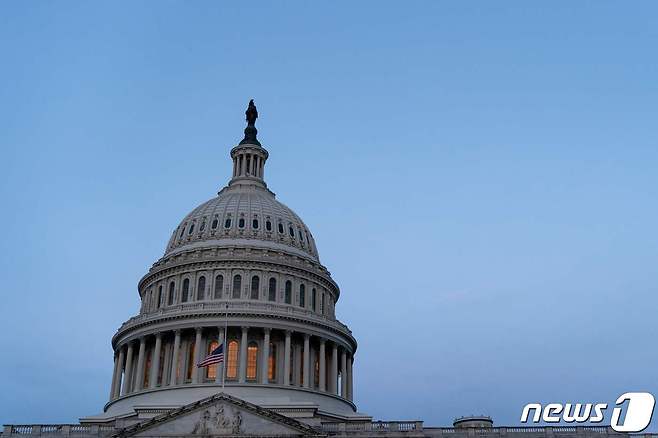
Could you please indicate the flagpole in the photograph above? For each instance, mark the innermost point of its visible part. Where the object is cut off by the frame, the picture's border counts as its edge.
(225, 348)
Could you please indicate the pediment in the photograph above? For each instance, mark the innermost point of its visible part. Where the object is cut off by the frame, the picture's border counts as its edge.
(219, 416)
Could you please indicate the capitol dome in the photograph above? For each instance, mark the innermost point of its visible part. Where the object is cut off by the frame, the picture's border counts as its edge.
(246, 215)
(241, 271)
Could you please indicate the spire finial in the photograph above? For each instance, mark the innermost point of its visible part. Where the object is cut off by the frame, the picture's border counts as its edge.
(251, 131)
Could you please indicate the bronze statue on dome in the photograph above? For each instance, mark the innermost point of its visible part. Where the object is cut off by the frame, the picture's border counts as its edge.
(251, 113)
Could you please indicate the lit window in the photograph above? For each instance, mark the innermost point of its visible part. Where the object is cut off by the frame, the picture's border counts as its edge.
(211, 371)
(201, 288)
(302, 295)
(186, 290)
(272, 291)
(271, 363)
(237, 285)
(255, 284)
(232, 364)
(288, 297)
(252, 360)
(190, 360)
(147, 369)
(219, 286)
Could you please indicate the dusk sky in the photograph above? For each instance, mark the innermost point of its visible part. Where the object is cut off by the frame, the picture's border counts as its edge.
(480, 179)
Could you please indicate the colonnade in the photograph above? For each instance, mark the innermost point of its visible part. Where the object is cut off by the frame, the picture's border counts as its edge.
(253, 355)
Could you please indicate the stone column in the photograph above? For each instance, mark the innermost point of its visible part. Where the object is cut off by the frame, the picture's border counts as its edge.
(155, 362)
(243, 355)
(220, 366)
(286, 359)
(129, 370)
(197, 355)
(334, 371)
(350, 378)
(266, 357)
(307, 361)
(114, 376)
(323, 366)
(343, 373)
(174, 358)
(117, 382)
(139, 382)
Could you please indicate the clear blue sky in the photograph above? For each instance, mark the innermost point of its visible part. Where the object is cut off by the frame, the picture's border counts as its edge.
(480, 178)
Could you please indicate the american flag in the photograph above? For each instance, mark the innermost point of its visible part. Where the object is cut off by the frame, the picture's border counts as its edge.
(216, 356)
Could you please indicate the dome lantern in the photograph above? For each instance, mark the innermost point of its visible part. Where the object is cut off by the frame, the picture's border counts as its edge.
(249, 156)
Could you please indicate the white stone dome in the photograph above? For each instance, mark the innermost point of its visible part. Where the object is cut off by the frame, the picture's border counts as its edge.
(244, 215)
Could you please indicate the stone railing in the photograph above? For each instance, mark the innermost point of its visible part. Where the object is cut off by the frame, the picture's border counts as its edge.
(235, 307)
(375, 426)
(406, 428)
(58, 429)
(416, 427)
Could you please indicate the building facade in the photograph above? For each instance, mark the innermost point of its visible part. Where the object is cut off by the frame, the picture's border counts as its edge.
(242, 270)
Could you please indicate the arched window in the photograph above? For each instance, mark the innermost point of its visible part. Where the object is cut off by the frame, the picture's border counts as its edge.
(291, 231)
(232, 363)
(268, 225)
(191, 229)
(182, 230)
(214, 224)
(170, 299)
(190, 360)
(271, 296)
(255, 284)
(211, 371)
(219, 286)
(252, 360)
(227, 223)
(322, 304)
(237, 285)
(159, 297)
(288, 295)
(280, 228)
(203, 225)
(201, 288)
(241, 222)
(302, 295)
(186, 290)
(254, 224)
(314, 300)
(271, 363)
